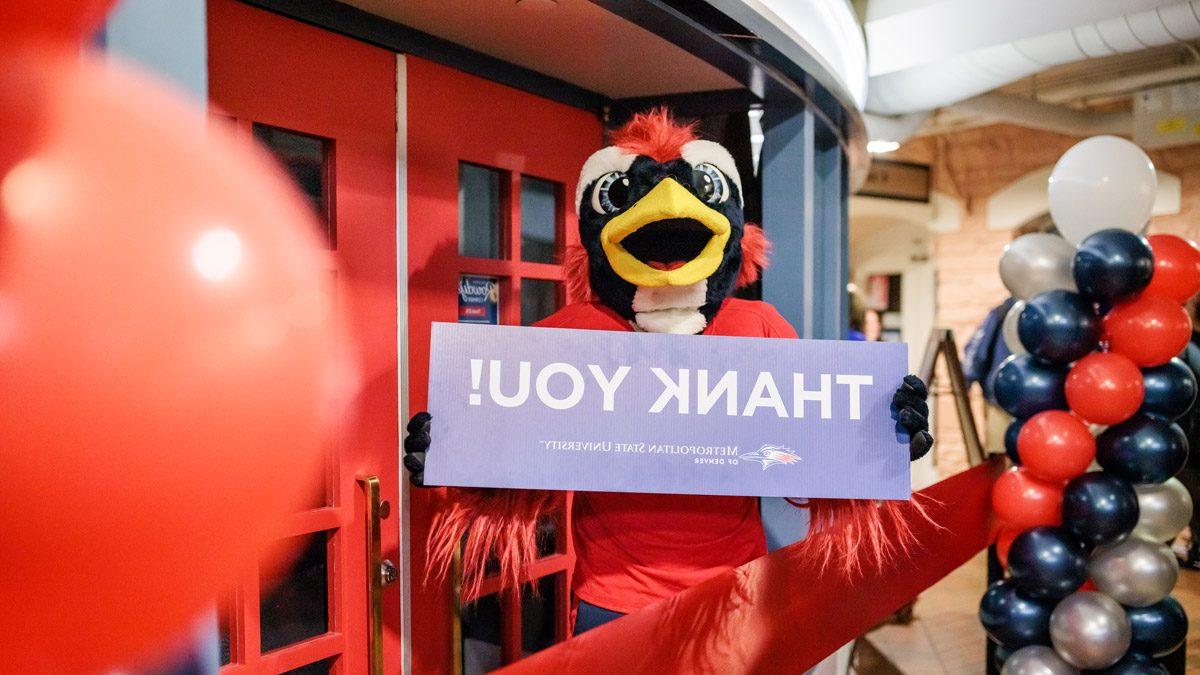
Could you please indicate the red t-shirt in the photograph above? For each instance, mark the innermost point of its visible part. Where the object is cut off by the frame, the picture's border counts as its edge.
(634, 549)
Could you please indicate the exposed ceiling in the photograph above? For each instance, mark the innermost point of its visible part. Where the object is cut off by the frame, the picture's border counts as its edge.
(572, 40)
(1108, 83)
(1101, 86)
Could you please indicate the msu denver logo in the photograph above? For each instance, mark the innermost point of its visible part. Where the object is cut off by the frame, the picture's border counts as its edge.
(770, 455)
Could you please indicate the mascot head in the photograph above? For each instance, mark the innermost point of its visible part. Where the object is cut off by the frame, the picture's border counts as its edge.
(660, 219)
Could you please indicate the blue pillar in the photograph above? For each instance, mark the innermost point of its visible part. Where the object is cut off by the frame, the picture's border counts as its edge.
(169, 39)
(788, 213)
(804, 216)
(831, 238)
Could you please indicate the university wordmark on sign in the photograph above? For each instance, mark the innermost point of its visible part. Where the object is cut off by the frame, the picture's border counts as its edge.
(636, 412)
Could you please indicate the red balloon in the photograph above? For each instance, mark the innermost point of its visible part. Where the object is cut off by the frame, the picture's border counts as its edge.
(1021, 501)
(1176, 268)
(1104, 388)
(1149, 329)
(1004, 540)
(1055, 446)
(166, 366)
(49, 20)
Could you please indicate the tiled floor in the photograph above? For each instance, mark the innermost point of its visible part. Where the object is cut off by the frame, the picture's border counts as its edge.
(945, 636)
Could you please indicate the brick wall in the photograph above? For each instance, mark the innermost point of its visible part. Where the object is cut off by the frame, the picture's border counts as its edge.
(972, 164)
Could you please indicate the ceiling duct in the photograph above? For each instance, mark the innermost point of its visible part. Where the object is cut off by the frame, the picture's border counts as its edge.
(965, 75)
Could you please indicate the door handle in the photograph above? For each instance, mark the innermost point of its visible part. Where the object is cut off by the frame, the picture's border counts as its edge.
(379, 573)
(388, 572)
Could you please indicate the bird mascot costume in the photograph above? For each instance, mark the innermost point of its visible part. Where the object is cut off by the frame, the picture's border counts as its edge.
(664, 246)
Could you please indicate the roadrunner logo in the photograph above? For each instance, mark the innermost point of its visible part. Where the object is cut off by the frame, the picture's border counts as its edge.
(770, 455)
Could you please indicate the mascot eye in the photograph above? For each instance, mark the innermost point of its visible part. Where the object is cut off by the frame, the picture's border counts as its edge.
(710, 183)
(611, 193)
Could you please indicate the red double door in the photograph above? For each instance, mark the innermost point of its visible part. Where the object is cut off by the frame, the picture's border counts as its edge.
(425, 178)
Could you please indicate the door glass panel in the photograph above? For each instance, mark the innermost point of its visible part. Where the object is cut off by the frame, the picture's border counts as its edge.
(322, 667)
(539, 220)
(481, 636)
(539, 299)
(547, 535)
(478, 211)
(539, 612)
(306, 158)
(223, 634)
(294, 601)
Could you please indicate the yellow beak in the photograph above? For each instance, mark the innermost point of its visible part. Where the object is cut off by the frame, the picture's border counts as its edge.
(667, 200)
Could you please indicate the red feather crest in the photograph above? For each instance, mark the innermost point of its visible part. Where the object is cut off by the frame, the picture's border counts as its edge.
(655, 135)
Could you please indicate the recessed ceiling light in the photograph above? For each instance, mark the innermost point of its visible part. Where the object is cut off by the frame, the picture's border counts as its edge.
(881, 147)
(537, 4)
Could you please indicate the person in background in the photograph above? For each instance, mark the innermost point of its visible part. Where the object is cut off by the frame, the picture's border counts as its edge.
(982, 356)
(858, 314)
(1190, 422)
(986, 350)
(872, 326)
(865, 323)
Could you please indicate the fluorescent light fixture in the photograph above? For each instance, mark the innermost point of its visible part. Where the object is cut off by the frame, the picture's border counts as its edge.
(880, 147)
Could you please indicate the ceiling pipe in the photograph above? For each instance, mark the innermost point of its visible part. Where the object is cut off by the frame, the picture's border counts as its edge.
(966, 75)
(1029, 113)
(1090, 91)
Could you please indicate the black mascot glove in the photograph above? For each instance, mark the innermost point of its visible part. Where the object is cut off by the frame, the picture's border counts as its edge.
(416, 444)
(912, 412)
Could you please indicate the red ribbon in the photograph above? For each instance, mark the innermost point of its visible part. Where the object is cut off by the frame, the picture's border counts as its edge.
(778, 613)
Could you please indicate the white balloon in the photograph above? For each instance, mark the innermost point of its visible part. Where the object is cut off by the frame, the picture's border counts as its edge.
(1101, 183)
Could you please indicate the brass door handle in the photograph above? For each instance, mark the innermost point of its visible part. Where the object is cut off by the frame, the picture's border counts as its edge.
(378, 573)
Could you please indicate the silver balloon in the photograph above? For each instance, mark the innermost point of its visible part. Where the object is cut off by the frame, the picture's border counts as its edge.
(1089, 630)
(1038, 262)
(1037, 660)
(1164, 509)
(1134, 571)
(1009, 329)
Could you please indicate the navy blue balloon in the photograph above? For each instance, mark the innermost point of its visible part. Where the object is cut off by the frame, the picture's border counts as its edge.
(1025, 386)
(1133, 663)
(1047, 563)
(1170, 389)
(1059, 326)
(1143, 449)
(1113, 265)
(1158, 629)
(1012, 619)
(1099, 507)
(1010, 440)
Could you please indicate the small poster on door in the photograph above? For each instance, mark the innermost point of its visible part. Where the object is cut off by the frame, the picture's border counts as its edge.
(478, 299)
(614, 411)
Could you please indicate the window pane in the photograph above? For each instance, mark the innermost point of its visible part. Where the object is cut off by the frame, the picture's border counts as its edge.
(540, 614)
(481, 636)
(539, 299)
(305, 158)
(539, 220)
(547, 535)
(294, 600)
(322, 667)
(478, 211)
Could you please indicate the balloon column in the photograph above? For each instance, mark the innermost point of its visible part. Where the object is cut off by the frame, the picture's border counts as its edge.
(1094, 334)
(166, 353)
